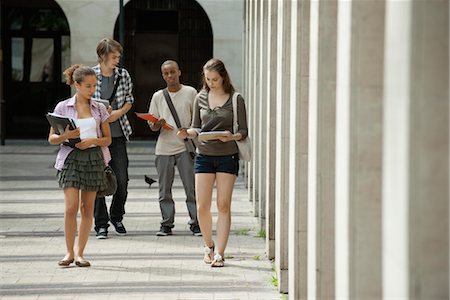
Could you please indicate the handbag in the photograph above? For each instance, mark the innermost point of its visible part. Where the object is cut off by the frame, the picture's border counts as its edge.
(111, 183)
(190, 146)
(244, 145)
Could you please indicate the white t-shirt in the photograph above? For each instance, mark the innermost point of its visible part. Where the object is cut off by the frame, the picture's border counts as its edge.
(168, 143)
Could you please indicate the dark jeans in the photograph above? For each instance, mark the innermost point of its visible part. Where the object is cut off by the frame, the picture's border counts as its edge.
(119, 163)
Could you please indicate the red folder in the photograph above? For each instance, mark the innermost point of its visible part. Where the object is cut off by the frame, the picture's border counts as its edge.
(153, 119)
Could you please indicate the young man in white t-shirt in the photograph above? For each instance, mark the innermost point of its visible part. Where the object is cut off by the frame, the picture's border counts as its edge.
(170, 150)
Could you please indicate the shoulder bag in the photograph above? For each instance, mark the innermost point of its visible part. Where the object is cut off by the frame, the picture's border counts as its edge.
(244, 145)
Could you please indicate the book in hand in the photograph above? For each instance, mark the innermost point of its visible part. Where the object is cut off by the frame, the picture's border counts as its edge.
(153, 119)
(211, 135)
(59, 124)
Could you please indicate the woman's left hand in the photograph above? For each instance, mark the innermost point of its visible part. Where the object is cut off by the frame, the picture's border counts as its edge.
(84, 144)
(227, 136)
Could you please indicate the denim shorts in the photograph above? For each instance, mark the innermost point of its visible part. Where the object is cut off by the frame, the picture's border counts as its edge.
(217, 164)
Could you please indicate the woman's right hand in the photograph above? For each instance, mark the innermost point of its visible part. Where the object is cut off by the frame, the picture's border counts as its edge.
(182, 133)
(71, 134)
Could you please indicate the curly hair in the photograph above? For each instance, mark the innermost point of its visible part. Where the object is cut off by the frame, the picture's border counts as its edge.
(77, 73)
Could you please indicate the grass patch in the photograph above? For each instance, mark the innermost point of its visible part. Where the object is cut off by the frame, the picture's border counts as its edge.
(261, 234)
(274, 276)
(274, 281)
(243, 231)
(257, 257)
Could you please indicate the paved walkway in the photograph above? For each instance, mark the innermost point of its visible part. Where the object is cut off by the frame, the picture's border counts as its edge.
(137, 266)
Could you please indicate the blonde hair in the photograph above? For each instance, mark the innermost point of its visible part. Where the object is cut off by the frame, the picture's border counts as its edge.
(77, 73)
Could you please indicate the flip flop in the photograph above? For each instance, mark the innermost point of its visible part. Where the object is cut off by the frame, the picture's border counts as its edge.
(218, 261)
(208, 251)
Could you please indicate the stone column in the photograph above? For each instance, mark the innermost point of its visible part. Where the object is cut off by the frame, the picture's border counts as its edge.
(322, 131)
(271, 92)
(359, 149)
(282, 144)
(256, 108)
(342, 148)
(262, 113)
(298, 149)
(416, 165)
(366, 140)
(251, 91)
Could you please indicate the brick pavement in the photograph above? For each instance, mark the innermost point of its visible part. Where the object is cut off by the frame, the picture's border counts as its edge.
(137, 266)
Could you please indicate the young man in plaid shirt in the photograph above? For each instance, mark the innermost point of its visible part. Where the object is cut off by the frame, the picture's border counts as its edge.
(114, 84)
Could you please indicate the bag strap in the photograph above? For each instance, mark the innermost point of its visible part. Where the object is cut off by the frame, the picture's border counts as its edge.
(175, 117)
(115, 86)
(172, 108)
(235, 114)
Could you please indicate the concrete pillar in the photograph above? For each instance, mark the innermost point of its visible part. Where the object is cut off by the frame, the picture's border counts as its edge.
(416, 147)
(322, 130)
(366, 139)
(251, 92)
(298, 149)
(282, 144)
(255, 130)
(342, 149)
(359, 149)
(262, 113)
(245, 73)
(271, 92)
(429, 146)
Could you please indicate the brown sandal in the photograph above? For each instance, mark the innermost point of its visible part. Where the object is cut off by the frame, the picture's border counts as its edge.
(209, 251)
(65, 262)
(82, 263)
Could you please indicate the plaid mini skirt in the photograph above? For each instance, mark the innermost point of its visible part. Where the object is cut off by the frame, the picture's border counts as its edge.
(84, 170)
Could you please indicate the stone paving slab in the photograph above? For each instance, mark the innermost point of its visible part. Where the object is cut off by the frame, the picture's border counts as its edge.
(137, 266)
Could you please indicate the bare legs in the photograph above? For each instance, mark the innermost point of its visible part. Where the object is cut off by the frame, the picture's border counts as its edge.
(72, 203)
(204, 183)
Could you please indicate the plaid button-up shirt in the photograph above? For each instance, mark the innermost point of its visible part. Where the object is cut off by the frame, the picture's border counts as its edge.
(123, 94)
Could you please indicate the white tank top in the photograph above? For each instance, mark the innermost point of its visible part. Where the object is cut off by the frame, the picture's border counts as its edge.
(88, 128)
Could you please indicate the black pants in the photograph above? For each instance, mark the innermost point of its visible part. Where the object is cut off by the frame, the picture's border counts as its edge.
(119, 163)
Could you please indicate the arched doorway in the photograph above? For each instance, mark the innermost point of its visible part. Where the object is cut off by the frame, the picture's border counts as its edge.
(36, 49)
(154, 32)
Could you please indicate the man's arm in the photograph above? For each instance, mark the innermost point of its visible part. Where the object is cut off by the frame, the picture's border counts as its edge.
(116, 114)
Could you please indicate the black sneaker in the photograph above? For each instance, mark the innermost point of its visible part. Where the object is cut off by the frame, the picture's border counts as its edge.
(164, 231)
(102, 233)
(120, 229)
(196, 230)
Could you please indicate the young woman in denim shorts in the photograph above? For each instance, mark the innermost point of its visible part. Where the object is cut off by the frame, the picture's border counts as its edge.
(217, 159)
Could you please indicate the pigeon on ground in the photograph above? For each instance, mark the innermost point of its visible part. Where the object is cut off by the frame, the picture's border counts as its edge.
(149, 180)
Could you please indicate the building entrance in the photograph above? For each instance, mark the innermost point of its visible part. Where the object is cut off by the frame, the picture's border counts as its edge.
(154, 32)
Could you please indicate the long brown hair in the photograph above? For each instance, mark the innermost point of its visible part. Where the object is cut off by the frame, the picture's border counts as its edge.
(218, 66)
